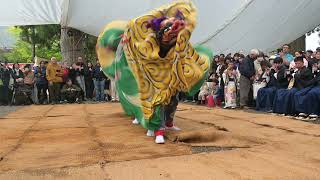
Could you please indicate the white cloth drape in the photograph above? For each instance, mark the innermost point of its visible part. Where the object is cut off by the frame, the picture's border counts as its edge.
(224, 26)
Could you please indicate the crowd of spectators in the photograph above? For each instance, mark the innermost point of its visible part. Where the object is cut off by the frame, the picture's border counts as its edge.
(53, 82)
(282, 83)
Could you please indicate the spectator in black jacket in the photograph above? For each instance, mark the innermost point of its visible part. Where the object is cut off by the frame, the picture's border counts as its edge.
(99, 82)
(6, 81)
(17, 74)
(284, 99)
(41, 83)
(88, 77)
(278, 80)
(247, 72)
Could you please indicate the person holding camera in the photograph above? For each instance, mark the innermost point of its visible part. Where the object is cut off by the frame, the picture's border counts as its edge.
(17, 74)
(277, 80)
(54, 76)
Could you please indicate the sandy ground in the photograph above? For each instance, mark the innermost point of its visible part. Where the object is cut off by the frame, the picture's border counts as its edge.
(95, 141)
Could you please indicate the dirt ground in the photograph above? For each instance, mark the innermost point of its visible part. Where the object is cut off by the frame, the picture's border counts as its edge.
(96, 141)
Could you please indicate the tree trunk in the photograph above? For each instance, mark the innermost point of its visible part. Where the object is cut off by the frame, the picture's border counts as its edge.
(33, 45)
(33, 52)
(71, 43)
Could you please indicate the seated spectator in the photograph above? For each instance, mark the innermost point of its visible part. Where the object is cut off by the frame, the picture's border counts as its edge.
(305, 100)
(209, 88)
(214, 84)
(262, 78)
(204, 92)
(70, 93)
(278, 80)
(298, 54)
(230, 77)
(284, 99)
(314, 63)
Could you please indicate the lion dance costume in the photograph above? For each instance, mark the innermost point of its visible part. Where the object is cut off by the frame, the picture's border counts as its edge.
(151, 60)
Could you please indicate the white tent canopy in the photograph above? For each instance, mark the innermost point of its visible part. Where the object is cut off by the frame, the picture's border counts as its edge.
(223, 25)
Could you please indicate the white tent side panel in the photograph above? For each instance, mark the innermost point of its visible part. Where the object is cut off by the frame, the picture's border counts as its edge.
(30, 12)
(267, 25)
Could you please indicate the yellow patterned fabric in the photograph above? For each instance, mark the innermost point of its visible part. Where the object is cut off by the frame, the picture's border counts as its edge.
(161, 78)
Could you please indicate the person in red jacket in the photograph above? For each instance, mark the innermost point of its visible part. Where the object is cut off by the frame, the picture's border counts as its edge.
(65, 71)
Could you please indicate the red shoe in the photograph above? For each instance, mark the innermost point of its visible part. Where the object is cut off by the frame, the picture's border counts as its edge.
(159, 137)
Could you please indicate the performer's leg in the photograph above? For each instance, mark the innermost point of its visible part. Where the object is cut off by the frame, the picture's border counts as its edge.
(167, 116)
(101, 90)
(169, 113)
(161, 131)
(113, 90)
